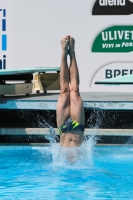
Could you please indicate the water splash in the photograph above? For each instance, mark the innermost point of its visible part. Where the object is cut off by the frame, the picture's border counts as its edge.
(73, 157)
(51, 135)
(70, 157)
(50, 132)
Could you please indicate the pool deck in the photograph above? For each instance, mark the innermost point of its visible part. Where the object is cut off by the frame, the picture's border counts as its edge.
(86, 96)
(91, 100)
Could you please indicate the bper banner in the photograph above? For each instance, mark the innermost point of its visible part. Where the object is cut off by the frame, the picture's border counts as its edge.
(31, 31)
(112, 76)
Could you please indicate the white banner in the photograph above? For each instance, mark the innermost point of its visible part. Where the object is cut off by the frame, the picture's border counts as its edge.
(111, 71)
(103, 31)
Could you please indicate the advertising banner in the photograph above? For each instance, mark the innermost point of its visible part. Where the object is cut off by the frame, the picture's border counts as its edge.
(5, 34)
(113, 7)
(103, 32)
(114, 39)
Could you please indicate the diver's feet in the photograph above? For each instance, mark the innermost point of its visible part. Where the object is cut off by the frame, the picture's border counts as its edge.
(64, 45)
(71, 46)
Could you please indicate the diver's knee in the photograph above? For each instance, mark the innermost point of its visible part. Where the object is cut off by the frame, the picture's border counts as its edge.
(74, 88)
(64, 89)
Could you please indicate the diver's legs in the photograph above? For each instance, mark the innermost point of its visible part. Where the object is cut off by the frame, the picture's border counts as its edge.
(76, 104)
(63, 105)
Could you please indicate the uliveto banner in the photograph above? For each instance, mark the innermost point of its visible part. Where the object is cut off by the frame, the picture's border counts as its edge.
(114, 39)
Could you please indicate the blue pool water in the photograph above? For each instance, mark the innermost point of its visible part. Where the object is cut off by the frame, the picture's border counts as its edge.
(44, 173)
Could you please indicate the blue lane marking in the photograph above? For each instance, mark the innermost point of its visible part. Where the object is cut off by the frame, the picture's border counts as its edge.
(3, 24)
(4, 12)
(4, 42)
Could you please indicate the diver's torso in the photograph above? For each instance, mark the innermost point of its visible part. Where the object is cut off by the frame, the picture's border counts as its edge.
(71, 139)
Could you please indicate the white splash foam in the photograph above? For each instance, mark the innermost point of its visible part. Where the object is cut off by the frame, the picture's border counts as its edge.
(74, 157)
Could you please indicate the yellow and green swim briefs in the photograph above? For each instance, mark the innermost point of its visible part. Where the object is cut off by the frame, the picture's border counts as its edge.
(71, 125)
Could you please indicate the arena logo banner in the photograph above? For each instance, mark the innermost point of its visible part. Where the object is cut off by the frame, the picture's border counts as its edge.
(113, 7)
(5, 34)
(114, 39)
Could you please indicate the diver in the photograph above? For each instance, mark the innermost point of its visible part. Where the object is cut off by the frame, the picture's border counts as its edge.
(70, 111)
